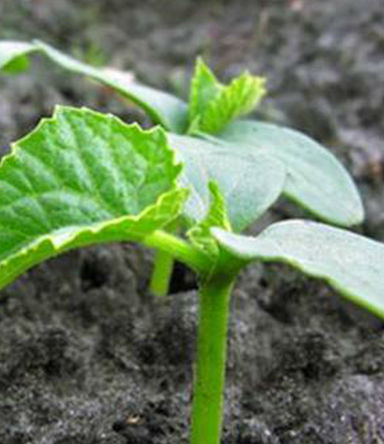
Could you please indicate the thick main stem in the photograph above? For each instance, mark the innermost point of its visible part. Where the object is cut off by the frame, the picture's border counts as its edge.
(208, 399)
(161, 274)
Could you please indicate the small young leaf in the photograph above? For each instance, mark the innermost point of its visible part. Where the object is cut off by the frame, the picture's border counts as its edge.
(213, 105)
(352, 264)
(316, 180)
(235, 100)
(163, 108)
(200, 234)
(250, 184)
(204, 88)
(82, 178)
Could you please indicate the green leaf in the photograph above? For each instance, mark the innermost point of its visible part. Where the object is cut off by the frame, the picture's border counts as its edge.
(13, 55)
(352, 264)
(235, 100)
(213, 105)
(163, 108)
(249, 184)
(82, 178)
(316, 180)
(200, 234)
(204, 88)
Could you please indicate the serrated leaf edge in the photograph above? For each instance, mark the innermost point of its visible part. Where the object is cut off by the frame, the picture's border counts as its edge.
(66, 243)
(225, 97)
(59, 246)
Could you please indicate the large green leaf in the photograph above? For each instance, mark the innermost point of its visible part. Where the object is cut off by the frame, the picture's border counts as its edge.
(163, 108)
(250, 184)
(352, 264)
(315, 178)
(82, 178)
(213, 105)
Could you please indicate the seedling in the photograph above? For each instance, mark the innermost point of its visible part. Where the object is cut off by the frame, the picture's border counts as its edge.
(187, 188)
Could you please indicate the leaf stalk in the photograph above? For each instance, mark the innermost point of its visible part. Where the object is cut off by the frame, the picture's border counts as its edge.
(162, 273)
(179, 249)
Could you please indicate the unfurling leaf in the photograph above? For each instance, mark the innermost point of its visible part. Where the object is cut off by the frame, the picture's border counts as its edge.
(200, 234)
(214, 105)
(204, 88)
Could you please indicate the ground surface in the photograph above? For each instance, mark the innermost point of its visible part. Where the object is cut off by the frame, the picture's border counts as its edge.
(85, 350)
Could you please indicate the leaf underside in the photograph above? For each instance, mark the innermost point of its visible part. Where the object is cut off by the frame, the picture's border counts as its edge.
(352, 264)
(163, 108)
(82, 178)
(316, 180)
(249, 184)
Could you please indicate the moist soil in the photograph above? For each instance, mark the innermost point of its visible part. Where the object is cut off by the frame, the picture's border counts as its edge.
(87, 354)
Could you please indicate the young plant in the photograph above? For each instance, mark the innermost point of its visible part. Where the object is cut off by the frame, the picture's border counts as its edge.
(187, 188)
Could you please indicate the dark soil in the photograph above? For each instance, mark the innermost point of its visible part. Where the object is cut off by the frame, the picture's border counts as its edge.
(86, 354)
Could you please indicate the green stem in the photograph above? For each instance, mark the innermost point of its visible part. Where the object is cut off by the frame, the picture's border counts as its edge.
(179, 249)
(163, 266)
(208, 399)
(161, 274)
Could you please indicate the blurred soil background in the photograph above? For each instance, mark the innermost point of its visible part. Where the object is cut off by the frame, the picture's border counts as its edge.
(86, 355)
